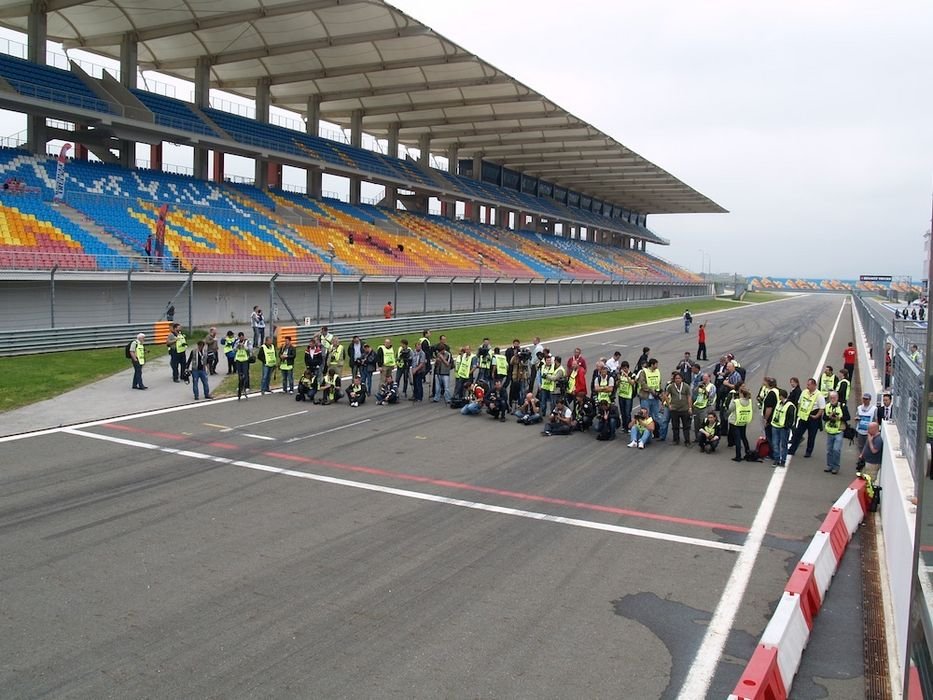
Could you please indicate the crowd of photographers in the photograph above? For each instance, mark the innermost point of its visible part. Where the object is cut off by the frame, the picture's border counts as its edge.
(533, 386)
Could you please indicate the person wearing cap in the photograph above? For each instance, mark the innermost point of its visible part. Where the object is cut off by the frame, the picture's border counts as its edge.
(137, 352)
(864, 414)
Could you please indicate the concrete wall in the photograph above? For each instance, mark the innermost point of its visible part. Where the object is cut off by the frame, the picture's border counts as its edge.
(83, 299)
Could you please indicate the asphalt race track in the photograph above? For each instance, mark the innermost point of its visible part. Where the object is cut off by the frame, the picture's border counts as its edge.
(268, 548)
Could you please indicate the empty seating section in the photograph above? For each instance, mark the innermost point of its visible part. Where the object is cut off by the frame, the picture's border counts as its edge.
(48, 83)
(240, 228)
(173, 113)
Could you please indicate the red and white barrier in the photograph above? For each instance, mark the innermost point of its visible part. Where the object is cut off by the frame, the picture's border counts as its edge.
(770, 672)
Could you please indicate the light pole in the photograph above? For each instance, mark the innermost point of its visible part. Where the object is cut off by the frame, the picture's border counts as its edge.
(331, 255)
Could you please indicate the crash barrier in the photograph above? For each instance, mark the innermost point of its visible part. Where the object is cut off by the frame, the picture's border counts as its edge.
(770, 672)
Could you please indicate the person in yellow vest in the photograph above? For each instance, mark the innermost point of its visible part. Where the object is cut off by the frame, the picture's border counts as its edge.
(229, 347)
(484, 361)
(604, 386)
(287, 355)
(500, 367)
(810, 407)
(835, 421)
(464, 365)
(741, 411)
(649, 390)
(625, 390)
(137, 354)
(641, 428)
(704, 402)
(842, 386)
(330, 387)
(270, 362)
(337, 356)
(767, 405)
(782, 423)
(827, 381)
(708, 434)
(177, 350)
(385, 358)
(326, 339)
(242, 358)
(545, 393)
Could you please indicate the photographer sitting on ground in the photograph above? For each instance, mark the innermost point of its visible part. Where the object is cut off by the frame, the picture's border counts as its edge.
(641, 429)
(584, 411)
(497, 401)
(307, 386)
(607, 420)
(528, 413)
(475, 395)
(356, 392)
(388, 392)
(561, 420)
(330, 387)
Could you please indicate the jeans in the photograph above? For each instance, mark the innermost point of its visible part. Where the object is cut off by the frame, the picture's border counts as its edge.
(613, 426)
(266, 378)
(242, 370)
(625, 410)
(779, 438)
(199, 375)
(176, 361)
(663, 422)
(833, 451)
(366, 379)
(288, 380)
(472, 408)
(740, 438)
(137, 375)
(442, 387)
(401, 374)
(417, 386)
(545, 402)
(653, 406)
(259, 336)
(643, 439)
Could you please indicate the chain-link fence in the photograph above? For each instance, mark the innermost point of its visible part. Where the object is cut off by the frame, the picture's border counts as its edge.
(902, 377)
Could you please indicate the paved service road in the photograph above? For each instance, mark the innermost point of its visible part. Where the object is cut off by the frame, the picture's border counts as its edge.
(252, 549)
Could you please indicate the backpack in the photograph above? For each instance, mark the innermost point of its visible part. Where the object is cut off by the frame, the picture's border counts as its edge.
(762, 448)
(126, 350)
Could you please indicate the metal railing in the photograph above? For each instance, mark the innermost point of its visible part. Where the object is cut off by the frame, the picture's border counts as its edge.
(900, 375)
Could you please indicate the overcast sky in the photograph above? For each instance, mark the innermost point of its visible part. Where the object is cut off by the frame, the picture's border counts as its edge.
(811, 122)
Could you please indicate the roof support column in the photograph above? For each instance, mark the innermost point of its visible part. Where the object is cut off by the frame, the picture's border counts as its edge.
(262, 116)
(202, 98)
(391, 195)
(314, 175)
(424, 148)
(502, 217)
(644, 244)
(478, 166)
(129, 60)
(37, 34)
(449, 209)
(356, 140)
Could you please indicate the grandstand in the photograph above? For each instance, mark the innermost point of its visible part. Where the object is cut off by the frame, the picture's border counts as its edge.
(555, 199)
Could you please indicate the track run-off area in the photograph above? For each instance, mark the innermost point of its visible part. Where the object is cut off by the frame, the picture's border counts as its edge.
(280, 549)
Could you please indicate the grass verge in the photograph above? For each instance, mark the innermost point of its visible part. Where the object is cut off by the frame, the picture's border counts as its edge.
(759, 297)
(31, 378)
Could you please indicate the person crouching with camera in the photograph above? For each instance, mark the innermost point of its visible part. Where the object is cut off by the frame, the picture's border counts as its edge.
(560, 421)
(497, 401)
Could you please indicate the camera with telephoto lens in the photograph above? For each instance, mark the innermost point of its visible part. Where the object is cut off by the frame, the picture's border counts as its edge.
(524, 355)
(562, 383)
(482, 351)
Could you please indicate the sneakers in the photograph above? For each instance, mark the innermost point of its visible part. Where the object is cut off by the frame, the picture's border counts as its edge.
(640, 446)
(354, 404)
(632, 443)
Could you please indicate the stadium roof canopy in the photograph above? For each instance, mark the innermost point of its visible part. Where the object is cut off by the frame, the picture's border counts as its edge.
(367, 55)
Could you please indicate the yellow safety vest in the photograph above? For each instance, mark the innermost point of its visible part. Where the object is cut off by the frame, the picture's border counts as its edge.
(743, 413)
(228, 345)
(653, 378)
(140, 353)
(326, 341)
(762, 393)
(702, 399)
(286, 364)
(827, 384)
(834, 414)
(269, 355)
(464, 362)
(180, 343)
(502, 365)
(242, 354)
(388, 357)
(807, 402)
(709, 430)
(486, 362)
(547, 378)
(603, 392)
(336, 356)
(625, 387)
(780, 415)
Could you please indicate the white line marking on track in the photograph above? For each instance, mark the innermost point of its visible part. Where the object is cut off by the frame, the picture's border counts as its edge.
(230, 399)
(257, 437)
(708, 656)
(264, 420)
(324, 432)
(473, 505)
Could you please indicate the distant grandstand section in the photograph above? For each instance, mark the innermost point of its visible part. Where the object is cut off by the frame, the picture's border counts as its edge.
(529, 190)
(788, 284)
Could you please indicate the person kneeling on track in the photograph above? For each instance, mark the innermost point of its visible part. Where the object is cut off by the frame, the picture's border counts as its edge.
(388, 392)
(307, 386)
(561, 420)
(708, 434)
(584, 411)
(475, 395)
(529, 412)
(330, 387)
(356, 392)
(607, 420)
(641, 429)
(497, 401)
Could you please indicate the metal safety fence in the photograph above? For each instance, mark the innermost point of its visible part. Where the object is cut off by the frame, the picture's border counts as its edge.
(902, 376)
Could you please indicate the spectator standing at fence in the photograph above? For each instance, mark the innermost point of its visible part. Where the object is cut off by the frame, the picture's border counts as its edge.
(258, 324)
(138, 357)
(885, 411)
(874, 446)
(864, 414)
(387, 310)
(849, 356)
(170, 312)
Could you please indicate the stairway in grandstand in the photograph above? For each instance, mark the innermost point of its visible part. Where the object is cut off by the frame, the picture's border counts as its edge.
(107, 238)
